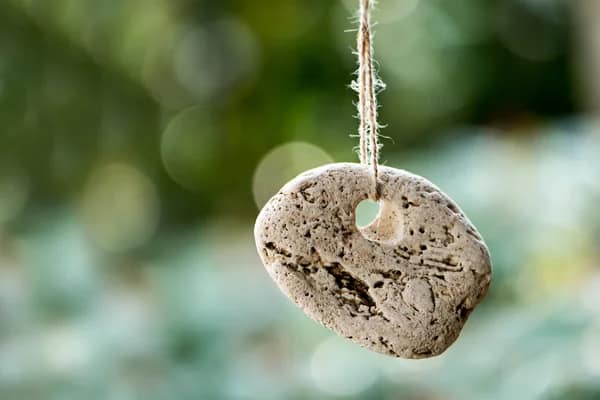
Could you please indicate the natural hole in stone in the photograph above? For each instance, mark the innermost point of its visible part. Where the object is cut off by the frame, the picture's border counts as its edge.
(380, 221)
(366, 213)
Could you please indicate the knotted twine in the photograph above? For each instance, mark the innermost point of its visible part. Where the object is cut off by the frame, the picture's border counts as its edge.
(367, 85)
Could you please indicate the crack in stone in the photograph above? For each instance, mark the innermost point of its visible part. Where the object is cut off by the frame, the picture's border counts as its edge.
(350, 290)
(474, 234)
(446, 264)
(301, 268)
(282, 252)
(392, 274)
(345, 280)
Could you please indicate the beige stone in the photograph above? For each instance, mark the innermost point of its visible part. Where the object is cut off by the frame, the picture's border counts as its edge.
(403, 286)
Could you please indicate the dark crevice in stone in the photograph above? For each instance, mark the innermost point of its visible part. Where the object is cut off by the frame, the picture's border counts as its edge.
(474, 234)
(271, 247)
(345, 280)
(462, 310)
(407, 203)
(385, 343)
(402, 253)
(306, 194)
(392, 274)
(447, 263)
(423, 352)
(300, 268)
(449, 236)
(453, 208)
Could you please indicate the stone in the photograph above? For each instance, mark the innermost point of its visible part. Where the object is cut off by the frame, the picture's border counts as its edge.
(403, 286)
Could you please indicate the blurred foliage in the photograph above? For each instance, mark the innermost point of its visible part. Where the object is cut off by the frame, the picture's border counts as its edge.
(138, 135)
(85, 83)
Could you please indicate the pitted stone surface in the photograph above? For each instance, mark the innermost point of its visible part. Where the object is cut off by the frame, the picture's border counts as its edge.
(403, 286)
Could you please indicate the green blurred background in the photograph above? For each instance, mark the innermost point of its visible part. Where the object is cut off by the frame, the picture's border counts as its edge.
(139, 137)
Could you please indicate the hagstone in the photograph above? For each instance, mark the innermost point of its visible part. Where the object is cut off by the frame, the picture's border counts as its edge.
(403, 286)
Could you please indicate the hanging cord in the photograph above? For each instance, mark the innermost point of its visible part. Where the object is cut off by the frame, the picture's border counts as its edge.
(367, 85)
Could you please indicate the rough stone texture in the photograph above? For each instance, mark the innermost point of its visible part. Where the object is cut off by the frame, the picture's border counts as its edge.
(403, 286)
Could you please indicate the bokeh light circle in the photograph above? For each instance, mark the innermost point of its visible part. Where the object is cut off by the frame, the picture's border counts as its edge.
(282, 164)
(120, 207)
(200, 62)
(216, 56)
(189, 147)
(66, 349)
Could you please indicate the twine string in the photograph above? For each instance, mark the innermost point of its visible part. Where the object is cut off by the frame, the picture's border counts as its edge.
(367, 85)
